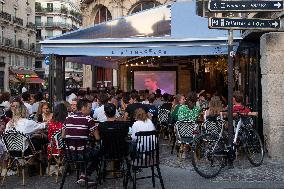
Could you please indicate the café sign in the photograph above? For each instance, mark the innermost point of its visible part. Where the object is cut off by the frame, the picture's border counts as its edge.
(139, 52)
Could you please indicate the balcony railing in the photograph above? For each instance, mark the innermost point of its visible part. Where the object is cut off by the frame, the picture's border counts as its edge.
(63, 10)
(18, 21)
(17, 44)
(6, 16)
(61, 25)
(31, 25)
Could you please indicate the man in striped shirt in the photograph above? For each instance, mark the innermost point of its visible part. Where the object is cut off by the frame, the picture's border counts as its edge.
(81, 125)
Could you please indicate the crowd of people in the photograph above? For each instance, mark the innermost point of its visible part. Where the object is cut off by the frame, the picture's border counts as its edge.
(82, 113)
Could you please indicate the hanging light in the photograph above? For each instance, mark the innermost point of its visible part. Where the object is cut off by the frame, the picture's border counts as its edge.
(127, 65)
(142, 63)
(131, 64)
(136, 64)
(147, 60)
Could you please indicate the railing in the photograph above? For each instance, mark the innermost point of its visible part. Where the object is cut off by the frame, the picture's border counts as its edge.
(18, 21)
(63, 10)
(6, 16)
(31, 25)
(17, 44)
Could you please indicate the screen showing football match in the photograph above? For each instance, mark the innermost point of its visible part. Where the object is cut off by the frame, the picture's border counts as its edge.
(153, 80)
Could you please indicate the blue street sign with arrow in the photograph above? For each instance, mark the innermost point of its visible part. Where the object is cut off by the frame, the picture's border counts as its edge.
(46, 60)
(245, 6)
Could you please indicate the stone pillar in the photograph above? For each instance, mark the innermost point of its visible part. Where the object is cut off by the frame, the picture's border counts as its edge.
(87, 76)
(272, 71)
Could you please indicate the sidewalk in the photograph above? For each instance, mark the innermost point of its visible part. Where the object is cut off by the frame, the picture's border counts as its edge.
(181, 175)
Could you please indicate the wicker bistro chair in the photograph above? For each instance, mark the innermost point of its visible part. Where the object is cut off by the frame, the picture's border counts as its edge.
(147, 156)
(164, 122)
(213, 125)
(57, 142)
(21, 151)
(114, 151)
(75, 153)
(185, 131)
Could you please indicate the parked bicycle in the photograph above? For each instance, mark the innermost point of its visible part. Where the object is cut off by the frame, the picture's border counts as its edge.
(210, 152)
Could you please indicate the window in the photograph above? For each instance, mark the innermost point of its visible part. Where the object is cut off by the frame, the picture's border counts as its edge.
(38, 20)
(102, 15)
(15, 38)
(143, 6)
(38, 34)
(2, 34)
(38, 64)
(49, 33)
(15, 12)
(49, 7)
(1, 6)
(49, 21)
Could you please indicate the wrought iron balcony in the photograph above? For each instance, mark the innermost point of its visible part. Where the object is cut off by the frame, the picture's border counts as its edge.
(6, 16)
(18, 21)
(31, 25)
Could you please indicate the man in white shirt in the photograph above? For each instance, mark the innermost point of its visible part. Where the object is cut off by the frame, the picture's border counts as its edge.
(26, 99)
(99, 113)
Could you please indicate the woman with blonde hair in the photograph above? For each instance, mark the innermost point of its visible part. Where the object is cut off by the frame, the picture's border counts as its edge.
(215, 108)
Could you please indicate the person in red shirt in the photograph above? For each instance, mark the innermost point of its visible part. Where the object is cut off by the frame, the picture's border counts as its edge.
(238, 106)
(55, 125)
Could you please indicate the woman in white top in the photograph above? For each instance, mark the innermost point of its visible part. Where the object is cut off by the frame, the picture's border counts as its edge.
(19, 122)
(142, 123)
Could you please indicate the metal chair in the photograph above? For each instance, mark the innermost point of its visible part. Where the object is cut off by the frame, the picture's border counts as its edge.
(164, 123)
(114, 149)
(75, 153)
(184, 133)
(57, 143)
(21, 151)
(147, 156)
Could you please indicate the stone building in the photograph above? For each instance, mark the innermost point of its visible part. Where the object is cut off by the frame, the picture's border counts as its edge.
(17, 37)
(53, 18)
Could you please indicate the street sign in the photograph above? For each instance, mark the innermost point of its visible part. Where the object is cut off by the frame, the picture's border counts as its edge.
(46, 60)
(245, 6)
(243, 24)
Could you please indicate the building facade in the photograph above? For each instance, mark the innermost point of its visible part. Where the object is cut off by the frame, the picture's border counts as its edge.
(17, 38)
(53, 18)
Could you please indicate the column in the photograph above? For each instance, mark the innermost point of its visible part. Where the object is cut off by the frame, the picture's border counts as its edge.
(59, 79)
(272, 71)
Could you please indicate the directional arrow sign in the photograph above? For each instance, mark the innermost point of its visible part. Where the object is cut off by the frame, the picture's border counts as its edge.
(245, 6)
(244, 24)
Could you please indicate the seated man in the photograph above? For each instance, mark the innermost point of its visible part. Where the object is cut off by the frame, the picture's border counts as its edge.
(81, 125)
(238, 106)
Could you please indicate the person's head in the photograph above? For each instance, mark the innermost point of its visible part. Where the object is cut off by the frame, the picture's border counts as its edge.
(103, 98)
(151, 98)
(60, 113)
(134, 98)
(74, 105)
(38, 97)
(110, 110)
(191, 99)
(158, 96)
(32, 99)
(45, 108)
(5, 97)
(18, 109)
(180, 99)
(140, 114)
(215, 106)
(237, 97)
(84, 106)
(150, 83)
(26, 96)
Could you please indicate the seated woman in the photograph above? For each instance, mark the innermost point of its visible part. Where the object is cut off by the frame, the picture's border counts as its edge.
(142, 123)
(190, 111)
(55, 125)
(179, 101)
(215, 108)
(20, 123)
(44, 113)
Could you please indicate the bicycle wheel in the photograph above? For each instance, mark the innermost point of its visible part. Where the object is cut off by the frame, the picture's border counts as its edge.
(254, 147)
(207, 156)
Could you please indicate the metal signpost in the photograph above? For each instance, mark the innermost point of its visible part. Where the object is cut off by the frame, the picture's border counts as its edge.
(240, 24)
(245, 6)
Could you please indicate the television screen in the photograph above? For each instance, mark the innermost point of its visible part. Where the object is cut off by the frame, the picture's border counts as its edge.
(152, 80)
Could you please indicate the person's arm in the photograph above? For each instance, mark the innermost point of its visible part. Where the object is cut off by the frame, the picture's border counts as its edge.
(93, 128)
(32, 126)
(134, 131)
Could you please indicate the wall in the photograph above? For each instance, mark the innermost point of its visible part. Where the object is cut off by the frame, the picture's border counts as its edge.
(272, 70)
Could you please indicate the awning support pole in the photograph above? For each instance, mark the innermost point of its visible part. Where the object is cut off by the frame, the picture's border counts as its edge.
(230, 86)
